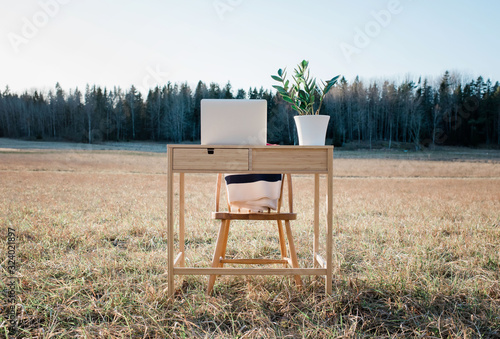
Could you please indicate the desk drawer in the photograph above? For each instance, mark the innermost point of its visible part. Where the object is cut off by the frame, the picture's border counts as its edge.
(293, 160)
(209, 159)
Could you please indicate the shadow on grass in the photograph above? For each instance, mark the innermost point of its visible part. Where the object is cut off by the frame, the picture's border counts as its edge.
(275, 308)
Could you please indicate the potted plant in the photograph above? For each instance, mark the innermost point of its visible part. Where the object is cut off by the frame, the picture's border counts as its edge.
(306, 97)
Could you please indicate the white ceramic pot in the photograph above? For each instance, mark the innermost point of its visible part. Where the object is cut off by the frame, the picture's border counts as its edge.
(312, 129)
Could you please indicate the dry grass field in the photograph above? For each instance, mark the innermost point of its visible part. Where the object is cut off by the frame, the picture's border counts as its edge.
(416, 252)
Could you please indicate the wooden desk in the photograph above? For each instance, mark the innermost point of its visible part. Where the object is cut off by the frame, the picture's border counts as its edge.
(249, 159)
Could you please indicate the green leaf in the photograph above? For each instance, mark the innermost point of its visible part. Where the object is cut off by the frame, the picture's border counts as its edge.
(280, 72)
(303, 95)
(281, 90)
(288, 99)
(307, 85)
(312, 86)
(276, 78)
(330, 84)
(334, 79)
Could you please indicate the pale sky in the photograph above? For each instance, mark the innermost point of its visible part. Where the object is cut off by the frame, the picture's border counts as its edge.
(149, 42)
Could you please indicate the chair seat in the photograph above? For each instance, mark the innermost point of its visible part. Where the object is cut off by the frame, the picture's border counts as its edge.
(253, 216)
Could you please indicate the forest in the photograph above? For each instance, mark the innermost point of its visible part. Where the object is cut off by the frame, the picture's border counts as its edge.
(449, 111)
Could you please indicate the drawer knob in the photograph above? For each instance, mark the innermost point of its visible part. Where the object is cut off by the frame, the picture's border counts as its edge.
(210, 150)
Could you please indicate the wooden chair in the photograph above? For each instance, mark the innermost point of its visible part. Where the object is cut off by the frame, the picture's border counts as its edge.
(219, 258)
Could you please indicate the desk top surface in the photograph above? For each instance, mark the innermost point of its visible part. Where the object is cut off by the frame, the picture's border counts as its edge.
(247, 146)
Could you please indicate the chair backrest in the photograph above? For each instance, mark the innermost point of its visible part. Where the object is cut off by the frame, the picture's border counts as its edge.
(255, 192)
(285, 177)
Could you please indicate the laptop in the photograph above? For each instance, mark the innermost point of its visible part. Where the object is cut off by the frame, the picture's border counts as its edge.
(233, 122)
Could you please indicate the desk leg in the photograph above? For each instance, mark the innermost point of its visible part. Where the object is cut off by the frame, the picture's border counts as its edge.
(181, 220)
(329, 222)
(170, 226)
(316, 221)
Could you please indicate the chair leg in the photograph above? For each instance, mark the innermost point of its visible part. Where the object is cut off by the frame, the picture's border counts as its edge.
(217, 253)
(224, 242)
(282, 241)
(293, 253)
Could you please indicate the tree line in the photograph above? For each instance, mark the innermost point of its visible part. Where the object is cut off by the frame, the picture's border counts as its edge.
(449, 112)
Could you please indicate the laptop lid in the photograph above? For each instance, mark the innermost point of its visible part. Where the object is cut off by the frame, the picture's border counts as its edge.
(233, 122)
